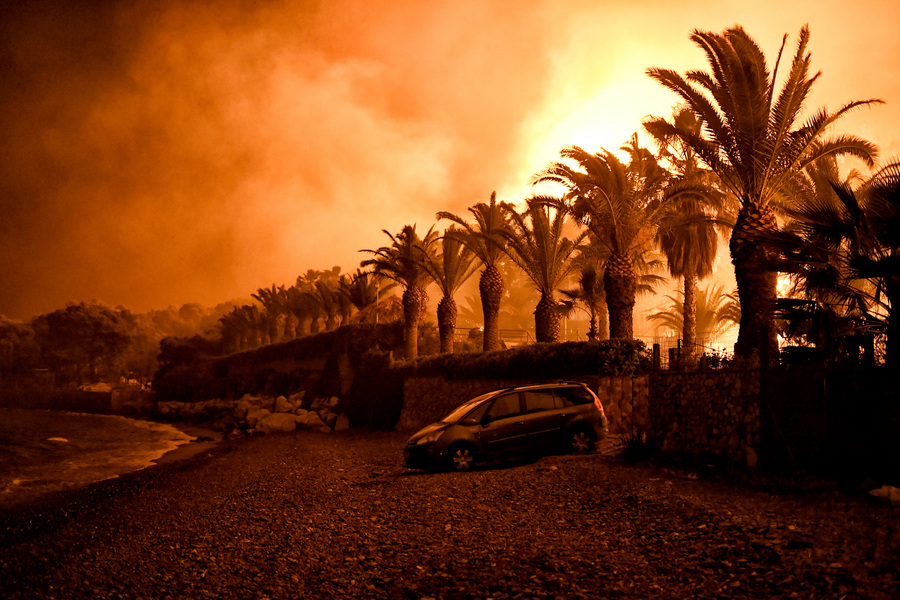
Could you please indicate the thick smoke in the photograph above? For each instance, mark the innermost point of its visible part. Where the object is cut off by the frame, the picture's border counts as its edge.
(161, 152)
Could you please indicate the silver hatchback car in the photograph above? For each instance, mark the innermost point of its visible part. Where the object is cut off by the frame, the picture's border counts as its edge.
(510, 423)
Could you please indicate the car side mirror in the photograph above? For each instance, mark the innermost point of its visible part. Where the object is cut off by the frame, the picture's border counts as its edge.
(486, 420)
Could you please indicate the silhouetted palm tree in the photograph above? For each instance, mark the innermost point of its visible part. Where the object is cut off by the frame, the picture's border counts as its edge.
(535, 242)
(402, 262)
(754, 141)
(449, 269)
(483, 238)
(273, 311)
(694, 210)
(619, 204)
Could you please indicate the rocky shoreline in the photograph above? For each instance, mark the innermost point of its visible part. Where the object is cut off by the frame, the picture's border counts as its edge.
(257, 414)
(314, 515)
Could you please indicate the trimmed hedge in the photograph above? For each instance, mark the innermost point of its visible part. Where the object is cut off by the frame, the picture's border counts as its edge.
(607, 358)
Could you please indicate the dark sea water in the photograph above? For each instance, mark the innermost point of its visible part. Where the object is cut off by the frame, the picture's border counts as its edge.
(44, 451)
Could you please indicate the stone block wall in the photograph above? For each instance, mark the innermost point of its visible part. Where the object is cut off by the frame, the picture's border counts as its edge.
(626, 402)
(713, 413)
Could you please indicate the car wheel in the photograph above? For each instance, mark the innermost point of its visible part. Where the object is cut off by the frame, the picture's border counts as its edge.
(461, 458)
(581, 441)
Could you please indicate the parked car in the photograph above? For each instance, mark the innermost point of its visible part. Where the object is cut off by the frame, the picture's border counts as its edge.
(509, 423)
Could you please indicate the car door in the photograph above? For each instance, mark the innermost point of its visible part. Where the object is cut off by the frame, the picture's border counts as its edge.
(543, 421)
(503, 430)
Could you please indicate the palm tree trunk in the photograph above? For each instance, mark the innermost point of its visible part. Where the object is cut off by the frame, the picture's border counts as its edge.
(446, 313)
(546, 320)
(490, 286)
(620, 284)
(756, 284)
(602, 321)
(689, 313)
(414, 303)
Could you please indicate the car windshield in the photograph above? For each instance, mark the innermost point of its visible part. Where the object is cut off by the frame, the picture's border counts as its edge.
(462, 410)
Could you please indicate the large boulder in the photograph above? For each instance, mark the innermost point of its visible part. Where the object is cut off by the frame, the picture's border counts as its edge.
(276, 422)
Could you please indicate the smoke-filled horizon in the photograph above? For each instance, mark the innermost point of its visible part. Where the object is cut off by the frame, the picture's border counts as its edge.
(159, 153)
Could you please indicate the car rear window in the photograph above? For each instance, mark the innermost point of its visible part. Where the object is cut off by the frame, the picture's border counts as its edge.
(573, 396)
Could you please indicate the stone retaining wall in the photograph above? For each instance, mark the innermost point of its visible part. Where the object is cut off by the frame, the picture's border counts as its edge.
(713, 413)
(626, 402)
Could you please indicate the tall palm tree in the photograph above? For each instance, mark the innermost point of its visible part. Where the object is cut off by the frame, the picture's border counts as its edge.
(619, 204)
(535, 242)
(449, 269)
(483, 238)
(402, 262)
(694, 211)
(754, 141)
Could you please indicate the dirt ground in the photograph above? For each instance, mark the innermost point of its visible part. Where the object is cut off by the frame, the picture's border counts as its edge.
(307, 515)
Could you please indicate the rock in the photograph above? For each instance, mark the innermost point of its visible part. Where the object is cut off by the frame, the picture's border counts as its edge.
(296, 400)
(241, 409)
(330, 419)
(325, 429)
(255, 416)
(313, 421)
(887, 492)
(276, 422)
(301, 413)
(333, 402)
(342, 423)
(281, 405)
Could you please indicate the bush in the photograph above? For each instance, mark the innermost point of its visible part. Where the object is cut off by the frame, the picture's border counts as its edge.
(608, 358)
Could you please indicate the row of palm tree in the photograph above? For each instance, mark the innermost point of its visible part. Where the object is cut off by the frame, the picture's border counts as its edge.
(319, 300)
(737, 155)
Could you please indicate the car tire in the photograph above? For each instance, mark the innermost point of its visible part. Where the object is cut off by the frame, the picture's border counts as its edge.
(581, 441)
(462, 458)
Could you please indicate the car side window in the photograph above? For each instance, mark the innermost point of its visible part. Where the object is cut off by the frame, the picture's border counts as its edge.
(538, 401)
(505, 406)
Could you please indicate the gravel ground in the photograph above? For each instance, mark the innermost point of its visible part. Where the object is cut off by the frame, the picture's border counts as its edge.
(315, 516)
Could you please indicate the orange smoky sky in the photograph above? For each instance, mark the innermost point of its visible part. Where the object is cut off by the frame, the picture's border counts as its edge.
(162, 152)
